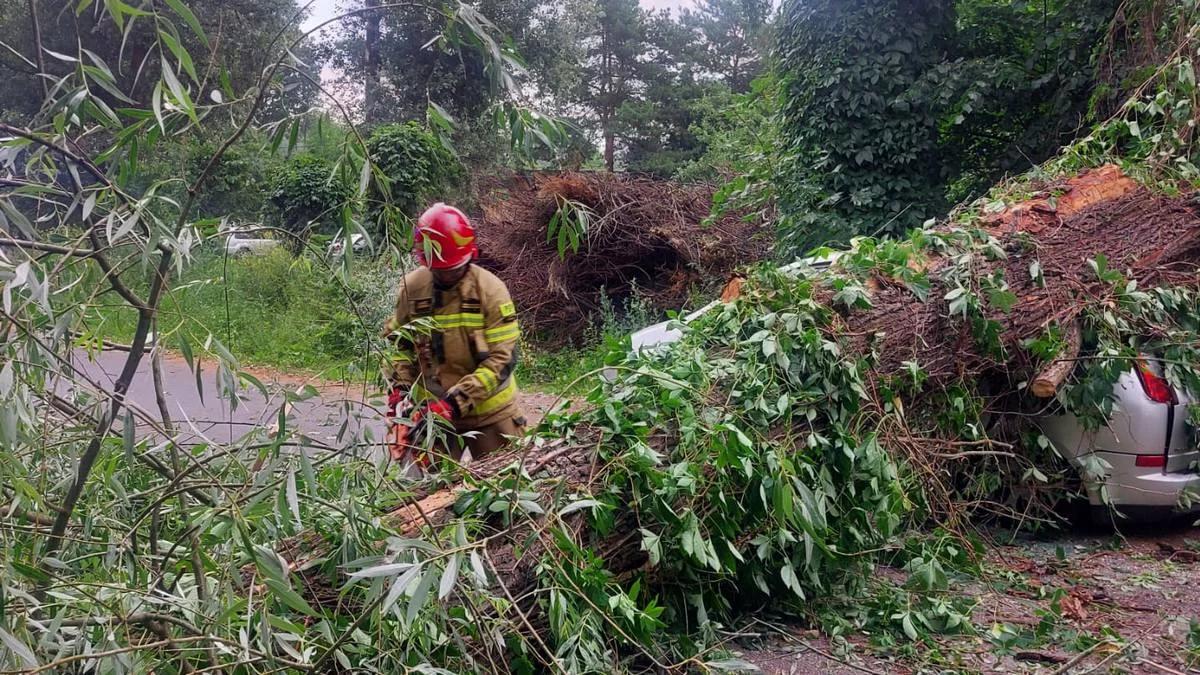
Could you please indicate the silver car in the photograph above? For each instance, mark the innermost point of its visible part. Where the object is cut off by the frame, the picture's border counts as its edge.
(358, 243)
(243, 242)
(1145, 462)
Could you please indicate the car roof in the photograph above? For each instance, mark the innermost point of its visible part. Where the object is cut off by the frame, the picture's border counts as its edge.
(664, 332)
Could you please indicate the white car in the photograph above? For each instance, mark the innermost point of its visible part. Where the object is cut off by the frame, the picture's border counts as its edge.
(1145, 462)
(358, 243)
(241, 242)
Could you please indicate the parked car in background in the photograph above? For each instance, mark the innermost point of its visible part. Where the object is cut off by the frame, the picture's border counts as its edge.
(358, 244)
(1145, 462)
(242, 242)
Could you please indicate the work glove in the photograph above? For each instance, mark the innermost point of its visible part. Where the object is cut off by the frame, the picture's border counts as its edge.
(441, 407)
(397, 401)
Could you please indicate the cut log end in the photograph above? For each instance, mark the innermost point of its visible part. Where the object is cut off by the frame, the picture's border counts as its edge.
(1047, 382)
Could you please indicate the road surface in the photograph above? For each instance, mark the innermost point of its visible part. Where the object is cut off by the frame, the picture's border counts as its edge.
(202, 415)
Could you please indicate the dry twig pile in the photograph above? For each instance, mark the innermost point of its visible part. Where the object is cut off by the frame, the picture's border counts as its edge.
(645, 234)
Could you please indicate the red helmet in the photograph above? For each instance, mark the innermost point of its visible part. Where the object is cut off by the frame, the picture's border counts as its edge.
(450, 237)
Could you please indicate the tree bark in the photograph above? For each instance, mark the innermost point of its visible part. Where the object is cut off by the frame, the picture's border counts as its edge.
(1047, 382)
(39, 54)
(372, 64)
(609, 147)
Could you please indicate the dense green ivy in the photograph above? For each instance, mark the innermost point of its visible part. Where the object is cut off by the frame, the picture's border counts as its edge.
(894, 110)
(860, 153)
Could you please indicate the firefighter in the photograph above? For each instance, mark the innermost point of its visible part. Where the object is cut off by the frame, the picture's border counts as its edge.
(458, 364)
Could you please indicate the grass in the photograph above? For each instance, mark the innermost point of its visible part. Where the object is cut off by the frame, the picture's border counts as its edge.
(274, 310)
(564, 371)
(291, 314)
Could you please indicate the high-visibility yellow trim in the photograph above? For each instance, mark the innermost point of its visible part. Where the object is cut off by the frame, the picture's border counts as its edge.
(508, 309)
(460, 320)
(499, 399)
(487, 377)
(503, 333)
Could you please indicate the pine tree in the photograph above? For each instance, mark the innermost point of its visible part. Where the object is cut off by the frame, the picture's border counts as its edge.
(612, 72)
(733, 38)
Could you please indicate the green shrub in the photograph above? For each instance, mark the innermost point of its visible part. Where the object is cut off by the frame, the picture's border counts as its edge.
(274, 281)
(416, 165)
(237, 187)
(310, 195)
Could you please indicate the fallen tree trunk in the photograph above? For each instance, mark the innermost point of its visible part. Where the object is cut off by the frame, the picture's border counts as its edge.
(1043, 269)
(1047, 266)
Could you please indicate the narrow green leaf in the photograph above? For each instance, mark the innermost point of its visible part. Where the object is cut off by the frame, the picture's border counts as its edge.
(185, 348)
(126, 227)
(478, 569)
(289, 597)
(17, 218)
(388, 570)
(182, 99)
(420, 595)
(156, 105)
(398, 585)
(578, 505)
(181, 53)
(294, 137)
(310, 476)
(293, 498)
(88, 205)
(116, 9)
(187, 15)
(61, 57)
(449, 576)
(128, 437)
(19, 648)
(30, 572)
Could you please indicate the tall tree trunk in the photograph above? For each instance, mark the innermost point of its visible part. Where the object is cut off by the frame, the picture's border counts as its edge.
(609, 146)
(371, 82)
(39, 56)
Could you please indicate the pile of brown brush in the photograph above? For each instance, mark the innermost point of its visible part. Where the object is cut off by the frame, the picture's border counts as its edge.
(647, 240)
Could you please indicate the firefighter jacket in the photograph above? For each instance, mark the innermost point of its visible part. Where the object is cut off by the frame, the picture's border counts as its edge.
(457, 343)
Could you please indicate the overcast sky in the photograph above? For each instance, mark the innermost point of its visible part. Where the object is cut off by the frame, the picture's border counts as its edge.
(327, 9)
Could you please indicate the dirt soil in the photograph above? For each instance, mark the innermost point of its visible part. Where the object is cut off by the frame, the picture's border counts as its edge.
(1056, 597)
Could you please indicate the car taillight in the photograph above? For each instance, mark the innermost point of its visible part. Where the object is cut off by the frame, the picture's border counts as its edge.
(1156, 388)
(1154, 461)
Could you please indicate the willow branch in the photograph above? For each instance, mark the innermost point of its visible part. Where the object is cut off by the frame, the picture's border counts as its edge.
(48, 248)
(88, 458)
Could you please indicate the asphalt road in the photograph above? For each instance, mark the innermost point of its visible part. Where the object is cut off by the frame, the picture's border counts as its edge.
(201, 415)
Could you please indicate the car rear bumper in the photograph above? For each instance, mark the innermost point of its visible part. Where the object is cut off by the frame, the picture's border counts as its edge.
(1131, 485)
